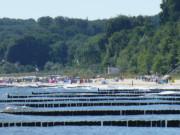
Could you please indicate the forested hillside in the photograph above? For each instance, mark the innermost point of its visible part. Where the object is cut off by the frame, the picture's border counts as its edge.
(142, 44)
(48, 43)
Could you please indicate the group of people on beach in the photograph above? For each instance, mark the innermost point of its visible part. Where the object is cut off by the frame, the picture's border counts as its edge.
(159, 79)
(55, 79)
(48, 79)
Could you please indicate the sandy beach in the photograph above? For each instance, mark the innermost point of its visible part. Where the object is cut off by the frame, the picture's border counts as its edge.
(138, 82)
(95, 82)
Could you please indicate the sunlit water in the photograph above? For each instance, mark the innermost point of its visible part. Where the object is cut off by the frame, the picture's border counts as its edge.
(81, 130)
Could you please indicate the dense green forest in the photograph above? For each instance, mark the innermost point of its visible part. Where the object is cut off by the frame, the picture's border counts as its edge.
(141, 44)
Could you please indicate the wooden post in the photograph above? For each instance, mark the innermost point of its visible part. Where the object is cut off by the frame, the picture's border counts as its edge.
(132, 82)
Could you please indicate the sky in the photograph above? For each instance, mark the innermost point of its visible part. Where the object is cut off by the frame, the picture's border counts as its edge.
(82, 9)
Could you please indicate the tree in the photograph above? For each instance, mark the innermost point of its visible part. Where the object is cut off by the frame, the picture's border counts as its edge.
(102, 42)
(117, 24)
(22, 51)
(170, 11)
(28, 51)
(144, 62)
(45, 22)
(88, 52)
(123, 61)
(59, 52)
(160, 65)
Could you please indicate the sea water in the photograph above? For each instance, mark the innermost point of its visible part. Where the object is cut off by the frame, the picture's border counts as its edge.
(81, 130)
(88, 130)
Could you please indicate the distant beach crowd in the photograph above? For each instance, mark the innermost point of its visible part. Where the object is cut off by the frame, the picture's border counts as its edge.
(57, 78)
(48, 79)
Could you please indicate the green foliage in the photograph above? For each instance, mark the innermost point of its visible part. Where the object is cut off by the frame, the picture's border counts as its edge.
(45, 22)
(134, 44)
(50, 66)
(123, 61)
(58, 52)
(8, 68)
(170, 11)
(28, 50)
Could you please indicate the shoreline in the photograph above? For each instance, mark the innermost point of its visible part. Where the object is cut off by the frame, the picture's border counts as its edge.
(94, 83)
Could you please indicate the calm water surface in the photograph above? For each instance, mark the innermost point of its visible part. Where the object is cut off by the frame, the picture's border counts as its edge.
(82, 130)
(88, 130)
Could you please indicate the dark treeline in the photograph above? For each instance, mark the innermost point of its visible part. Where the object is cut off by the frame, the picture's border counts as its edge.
(142, 44)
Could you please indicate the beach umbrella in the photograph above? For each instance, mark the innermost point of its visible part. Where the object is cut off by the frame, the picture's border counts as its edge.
(58, 77)
(166, 76)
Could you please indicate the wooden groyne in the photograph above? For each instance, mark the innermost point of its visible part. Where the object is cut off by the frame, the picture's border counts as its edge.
(82, 95)
(146, 90)
(92, 94)
(124, 123)
(100, 98)
(98, 92)
(93, 112)
(89, 99)
(98, 104)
